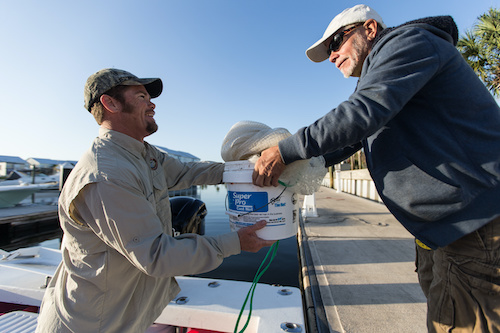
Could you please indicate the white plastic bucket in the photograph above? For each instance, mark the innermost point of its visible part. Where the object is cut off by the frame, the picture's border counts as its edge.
(248, 204)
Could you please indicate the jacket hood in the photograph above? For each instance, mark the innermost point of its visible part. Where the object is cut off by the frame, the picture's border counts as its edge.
(444, 23)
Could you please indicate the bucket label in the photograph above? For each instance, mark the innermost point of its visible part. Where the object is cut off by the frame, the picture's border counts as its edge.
(248, 201)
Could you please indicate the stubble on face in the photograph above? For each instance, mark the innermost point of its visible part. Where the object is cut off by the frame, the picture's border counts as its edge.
(359, 44)
(151, 126)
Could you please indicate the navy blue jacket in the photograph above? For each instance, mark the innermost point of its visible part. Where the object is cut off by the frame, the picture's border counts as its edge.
(429, 128)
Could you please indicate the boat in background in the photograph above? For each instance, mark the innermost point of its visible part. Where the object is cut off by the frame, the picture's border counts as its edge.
(19, 178)
(11, 195)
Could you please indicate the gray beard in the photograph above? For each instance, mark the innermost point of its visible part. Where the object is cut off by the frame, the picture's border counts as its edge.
(357, 45)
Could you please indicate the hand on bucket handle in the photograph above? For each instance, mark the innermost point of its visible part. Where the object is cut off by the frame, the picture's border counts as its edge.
(249, 241)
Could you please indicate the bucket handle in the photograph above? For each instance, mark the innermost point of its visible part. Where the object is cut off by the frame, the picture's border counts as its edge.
(232, 214)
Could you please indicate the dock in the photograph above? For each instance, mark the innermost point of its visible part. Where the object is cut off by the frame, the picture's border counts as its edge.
(358, 268)
(20, 223)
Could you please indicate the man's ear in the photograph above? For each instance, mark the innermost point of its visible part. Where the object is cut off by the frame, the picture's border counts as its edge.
(371, 28)
(110, 104)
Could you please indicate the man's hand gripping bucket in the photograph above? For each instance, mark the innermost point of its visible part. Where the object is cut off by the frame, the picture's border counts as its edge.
(248, 203)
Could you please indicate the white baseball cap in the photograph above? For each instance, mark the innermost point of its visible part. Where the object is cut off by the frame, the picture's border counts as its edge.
(359, 13)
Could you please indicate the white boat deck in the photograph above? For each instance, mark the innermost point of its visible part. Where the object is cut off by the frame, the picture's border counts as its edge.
(209, 304)
(18, 322)
(217, 308)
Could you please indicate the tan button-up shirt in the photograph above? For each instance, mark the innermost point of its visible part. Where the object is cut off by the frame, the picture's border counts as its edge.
(119, 256)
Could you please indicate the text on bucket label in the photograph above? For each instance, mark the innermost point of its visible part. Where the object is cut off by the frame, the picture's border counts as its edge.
(248, 201)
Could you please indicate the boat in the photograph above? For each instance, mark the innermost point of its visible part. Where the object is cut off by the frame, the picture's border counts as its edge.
(11, 195)
(203, 304)
(19, 178)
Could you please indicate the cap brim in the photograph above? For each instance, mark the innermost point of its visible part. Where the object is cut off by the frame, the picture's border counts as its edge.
(154, 86)
(318, 52)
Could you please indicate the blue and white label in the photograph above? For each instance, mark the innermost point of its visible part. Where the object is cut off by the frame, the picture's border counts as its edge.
(248, 201)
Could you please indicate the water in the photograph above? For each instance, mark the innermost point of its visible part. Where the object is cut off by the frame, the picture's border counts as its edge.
(284, 270)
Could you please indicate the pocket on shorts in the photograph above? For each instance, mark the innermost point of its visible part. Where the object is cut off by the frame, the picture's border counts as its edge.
(477, 274)
(472, 296)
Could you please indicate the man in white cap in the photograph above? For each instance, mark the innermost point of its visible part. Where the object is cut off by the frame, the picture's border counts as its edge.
(430, 131)
(119, 254)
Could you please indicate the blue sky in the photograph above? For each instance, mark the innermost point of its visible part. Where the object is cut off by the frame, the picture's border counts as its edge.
(221, 61)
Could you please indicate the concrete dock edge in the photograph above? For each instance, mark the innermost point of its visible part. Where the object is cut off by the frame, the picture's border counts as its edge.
(358, 268)
(314, 310)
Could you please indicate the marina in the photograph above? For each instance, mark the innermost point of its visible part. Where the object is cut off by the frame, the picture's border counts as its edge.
(352, 261)
(400, 111)
(234, 279)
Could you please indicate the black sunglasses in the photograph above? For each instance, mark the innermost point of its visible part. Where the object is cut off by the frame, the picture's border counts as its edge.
(338, 38)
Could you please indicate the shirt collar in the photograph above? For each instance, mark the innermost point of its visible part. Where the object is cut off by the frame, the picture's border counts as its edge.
(128, 143)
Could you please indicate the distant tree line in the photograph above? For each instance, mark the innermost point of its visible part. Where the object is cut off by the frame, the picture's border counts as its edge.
(480, 46)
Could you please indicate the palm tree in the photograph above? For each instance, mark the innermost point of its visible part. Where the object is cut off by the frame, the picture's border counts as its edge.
(481, 49)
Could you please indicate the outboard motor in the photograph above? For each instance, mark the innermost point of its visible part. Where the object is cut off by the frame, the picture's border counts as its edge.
(188, 215)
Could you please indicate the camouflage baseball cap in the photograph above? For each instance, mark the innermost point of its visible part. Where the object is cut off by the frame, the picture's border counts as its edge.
(105, 79)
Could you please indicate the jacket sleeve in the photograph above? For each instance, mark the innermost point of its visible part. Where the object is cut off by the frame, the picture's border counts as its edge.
(395, 70)
(341, 154)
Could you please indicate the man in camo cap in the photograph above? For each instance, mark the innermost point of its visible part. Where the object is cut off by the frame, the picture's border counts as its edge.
(119, 254)
(110, 80)
(105, 79)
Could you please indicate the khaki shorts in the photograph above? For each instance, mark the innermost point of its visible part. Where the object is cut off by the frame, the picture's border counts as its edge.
(462, 282)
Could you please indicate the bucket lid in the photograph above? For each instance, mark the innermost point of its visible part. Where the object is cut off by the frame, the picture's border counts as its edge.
(239, 165)
(238, 172)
